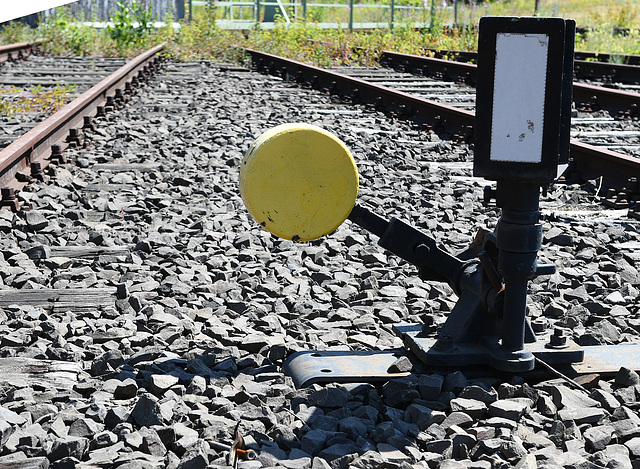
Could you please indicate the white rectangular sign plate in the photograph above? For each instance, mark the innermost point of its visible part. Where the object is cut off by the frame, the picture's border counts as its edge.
(518, 97)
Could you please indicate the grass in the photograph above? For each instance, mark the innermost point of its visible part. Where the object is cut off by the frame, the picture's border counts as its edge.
(305, 41)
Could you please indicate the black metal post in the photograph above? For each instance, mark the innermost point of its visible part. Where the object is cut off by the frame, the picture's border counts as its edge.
(179, 9)
(519, 237)
(433, 14)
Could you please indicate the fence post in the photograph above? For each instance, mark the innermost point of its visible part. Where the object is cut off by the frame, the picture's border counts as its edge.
(455, 13)
(433, 13)
(190, 11)
(257, 14)
(392, 15)
(350, 16)
(304, 10)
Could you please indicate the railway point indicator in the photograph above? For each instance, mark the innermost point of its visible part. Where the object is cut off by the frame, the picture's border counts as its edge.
(523, 109)
(525, 72)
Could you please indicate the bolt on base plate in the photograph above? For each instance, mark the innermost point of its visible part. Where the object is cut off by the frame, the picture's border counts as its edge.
(486, 351)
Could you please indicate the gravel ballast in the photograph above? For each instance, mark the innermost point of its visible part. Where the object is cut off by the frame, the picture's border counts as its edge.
(167, 312)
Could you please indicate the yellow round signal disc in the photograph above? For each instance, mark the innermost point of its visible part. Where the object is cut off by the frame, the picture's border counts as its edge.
(299, 181)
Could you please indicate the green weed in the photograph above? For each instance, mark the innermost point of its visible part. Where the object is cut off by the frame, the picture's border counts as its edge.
(203, 39)
(132, 23)
(15, 32)
(302, 40)
(63, 35)
(16, 101)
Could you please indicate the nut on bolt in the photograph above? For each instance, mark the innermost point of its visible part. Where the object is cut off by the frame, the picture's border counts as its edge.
(539, 325)
(444, 343)
(9, 199)
(56, 154)
(558, 339)
(36, 171)
(428, 323)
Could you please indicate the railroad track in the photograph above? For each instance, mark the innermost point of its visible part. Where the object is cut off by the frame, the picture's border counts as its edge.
(601, 58)
(33, 89)
(29, 154)
(147, 315)
(17, 51)
(588, 161)
(620, 103)
(587, 66)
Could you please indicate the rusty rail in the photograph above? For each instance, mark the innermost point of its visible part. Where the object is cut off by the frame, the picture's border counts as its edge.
(36, 145)
(428, 111)
(598, 59)
(607, 98)
(19, 50)
(588, 162)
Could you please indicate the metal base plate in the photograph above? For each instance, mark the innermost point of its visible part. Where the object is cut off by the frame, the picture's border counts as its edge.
(607, 359)
(574, 359)
(487, 351)
(306, 368)
(311, 367)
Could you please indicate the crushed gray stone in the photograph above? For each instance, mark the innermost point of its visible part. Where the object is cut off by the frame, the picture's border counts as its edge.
(204, 306)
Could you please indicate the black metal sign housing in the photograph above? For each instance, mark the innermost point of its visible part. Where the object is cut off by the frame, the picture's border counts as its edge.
(523, 100)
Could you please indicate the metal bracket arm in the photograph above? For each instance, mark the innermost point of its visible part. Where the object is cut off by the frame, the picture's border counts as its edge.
(413, 246)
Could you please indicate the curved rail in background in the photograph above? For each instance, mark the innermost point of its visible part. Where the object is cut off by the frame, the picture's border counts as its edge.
(36, 144)
(19, 50)
(588, 162)
(630, 59)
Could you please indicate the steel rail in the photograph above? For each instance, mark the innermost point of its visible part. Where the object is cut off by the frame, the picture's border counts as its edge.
(36, 144)
(590, 95)
(19, 50)
(612, 72)
(629, 59)
(428, 111)
(580, 56)
(628, 72)
(588, 162)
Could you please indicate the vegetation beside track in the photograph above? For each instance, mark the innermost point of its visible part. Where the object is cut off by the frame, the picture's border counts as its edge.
(36, 99)
(305, 41)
